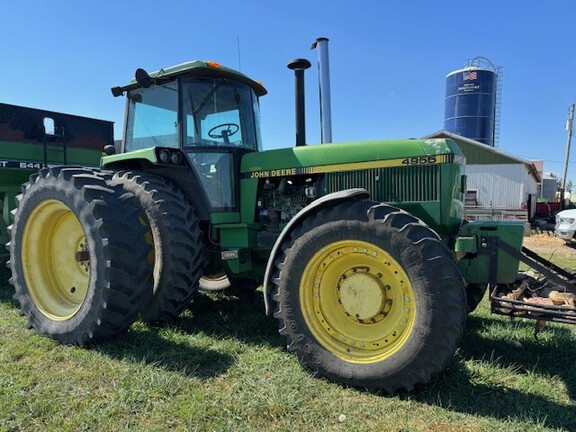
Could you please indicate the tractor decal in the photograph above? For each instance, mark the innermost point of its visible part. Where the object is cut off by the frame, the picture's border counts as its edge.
(420, 160)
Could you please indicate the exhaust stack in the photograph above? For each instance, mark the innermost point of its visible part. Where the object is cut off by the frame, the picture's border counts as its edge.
(299, 66)
(324, 82)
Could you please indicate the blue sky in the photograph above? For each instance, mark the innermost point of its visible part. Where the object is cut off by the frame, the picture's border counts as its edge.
(388, 60)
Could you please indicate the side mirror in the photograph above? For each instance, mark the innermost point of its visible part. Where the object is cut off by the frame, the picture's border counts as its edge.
(117, 91)
(109, 150)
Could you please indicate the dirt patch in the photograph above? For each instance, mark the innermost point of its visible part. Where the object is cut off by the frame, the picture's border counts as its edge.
(547, 246)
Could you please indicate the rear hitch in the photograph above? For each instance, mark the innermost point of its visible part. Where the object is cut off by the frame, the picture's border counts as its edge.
(548, 298)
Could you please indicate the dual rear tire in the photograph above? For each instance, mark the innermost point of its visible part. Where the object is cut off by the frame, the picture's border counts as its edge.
(90, 253)
(78, 261)
(177, 243)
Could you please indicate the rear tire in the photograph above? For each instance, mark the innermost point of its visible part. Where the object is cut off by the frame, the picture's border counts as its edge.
(367, 295)
(176, 237)
(474, 295)
(77, 256)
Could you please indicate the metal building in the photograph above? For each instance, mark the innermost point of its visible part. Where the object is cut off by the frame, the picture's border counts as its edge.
(500, 186)
(471, 103)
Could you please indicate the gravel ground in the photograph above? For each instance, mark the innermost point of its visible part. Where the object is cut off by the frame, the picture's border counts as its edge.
(548, 245)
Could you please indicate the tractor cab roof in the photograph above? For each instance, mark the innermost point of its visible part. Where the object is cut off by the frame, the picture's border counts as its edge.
(195, 68)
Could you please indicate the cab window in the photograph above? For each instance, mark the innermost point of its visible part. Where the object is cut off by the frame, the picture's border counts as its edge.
(152, 118)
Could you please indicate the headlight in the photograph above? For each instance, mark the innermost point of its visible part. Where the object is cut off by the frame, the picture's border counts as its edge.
(169, 156)
(176, 158)
(164, 156)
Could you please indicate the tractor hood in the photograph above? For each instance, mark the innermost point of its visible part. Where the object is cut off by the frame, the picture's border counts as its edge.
(350, 156)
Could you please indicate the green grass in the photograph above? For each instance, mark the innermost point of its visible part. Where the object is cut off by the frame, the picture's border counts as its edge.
(565, 262)
(223, 367)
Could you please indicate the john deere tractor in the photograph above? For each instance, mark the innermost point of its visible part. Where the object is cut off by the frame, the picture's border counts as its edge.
(361, 247)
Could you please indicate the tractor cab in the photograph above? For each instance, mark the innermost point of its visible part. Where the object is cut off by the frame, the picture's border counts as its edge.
(208, 111)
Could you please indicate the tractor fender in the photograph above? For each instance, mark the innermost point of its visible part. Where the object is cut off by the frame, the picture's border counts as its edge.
(326, 200)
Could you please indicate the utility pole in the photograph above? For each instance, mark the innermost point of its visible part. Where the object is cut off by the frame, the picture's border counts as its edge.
(569, 125)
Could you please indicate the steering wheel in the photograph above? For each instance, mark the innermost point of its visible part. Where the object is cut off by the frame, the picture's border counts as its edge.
(228, 129)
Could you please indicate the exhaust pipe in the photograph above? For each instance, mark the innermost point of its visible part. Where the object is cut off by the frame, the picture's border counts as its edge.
(324, 82)
(299, 66)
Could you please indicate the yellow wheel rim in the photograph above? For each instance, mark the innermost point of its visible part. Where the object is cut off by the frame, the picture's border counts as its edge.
(55, 259)
(357, 301)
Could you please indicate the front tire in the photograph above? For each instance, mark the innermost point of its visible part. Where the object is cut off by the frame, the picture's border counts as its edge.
(77, 256)
(367, 295)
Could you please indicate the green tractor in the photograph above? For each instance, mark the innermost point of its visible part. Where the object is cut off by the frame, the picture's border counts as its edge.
(360, 247)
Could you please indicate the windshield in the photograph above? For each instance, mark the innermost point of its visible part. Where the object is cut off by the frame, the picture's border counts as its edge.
(220, 113)
(217, 113)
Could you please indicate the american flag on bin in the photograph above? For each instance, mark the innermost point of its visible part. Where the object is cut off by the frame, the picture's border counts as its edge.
(470, 76)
